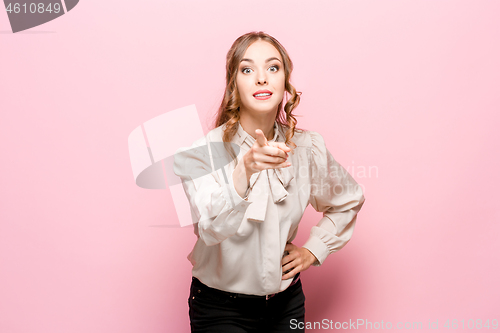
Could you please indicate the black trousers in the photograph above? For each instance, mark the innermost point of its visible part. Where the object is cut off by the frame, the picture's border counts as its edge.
(215, 311)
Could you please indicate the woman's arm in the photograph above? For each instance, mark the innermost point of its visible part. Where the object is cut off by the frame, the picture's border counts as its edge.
(335, 193)
(218, 198)
(241, 179)
(216, 205)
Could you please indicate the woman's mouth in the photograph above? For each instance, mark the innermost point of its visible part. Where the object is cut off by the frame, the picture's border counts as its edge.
(262, 95)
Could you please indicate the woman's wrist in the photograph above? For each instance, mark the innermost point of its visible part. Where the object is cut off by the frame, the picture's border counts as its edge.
(312, 257)
(248, 173)
(241, 179)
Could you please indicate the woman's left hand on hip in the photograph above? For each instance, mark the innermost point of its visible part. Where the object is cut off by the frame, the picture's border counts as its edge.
(298, 259)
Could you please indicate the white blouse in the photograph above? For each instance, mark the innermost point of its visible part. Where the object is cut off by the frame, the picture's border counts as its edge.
(241, 241)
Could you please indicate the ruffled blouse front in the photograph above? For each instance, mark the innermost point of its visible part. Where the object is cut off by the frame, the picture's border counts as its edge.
(241, 240)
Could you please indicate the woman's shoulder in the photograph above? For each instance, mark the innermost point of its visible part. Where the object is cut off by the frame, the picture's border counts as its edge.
(306, 138)
(217, 133)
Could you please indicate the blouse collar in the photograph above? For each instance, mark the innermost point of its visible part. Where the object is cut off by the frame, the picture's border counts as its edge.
(242, 136)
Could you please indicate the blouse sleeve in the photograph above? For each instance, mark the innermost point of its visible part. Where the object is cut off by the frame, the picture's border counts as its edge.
(335, 193)
(215, 204)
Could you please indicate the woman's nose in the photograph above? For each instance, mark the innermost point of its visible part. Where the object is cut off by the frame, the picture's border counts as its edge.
(261, 78)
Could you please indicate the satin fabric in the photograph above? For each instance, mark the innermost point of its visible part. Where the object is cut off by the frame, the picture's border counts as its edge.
(241, 241)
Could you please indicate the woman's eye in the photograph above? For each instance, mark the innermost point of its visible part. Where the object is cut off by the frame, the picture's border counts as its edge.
(248, 70)
(275, 67)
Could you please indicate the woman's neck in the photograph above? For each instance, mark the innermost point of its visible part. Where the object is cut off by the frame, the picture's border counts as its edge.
(265, 124)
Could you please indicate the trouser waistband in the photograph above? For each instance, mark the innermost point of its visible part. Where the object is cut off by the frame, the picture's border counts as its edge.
(197, 283)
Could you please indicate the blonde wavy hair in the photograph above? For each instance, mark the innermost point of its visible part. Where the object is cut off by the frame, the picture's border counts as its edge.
(229, 110)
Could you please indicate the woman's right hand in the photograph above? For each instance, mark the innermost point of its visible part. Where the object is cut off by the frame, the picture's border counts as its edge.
(265, 155)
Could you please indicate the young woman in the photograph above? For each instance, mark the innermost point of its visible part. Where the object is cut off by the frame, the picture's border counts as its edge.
(248, 182)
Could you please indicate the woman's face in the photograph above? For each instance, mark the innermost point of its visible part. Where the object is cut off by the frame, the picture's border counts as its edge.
(261, 79)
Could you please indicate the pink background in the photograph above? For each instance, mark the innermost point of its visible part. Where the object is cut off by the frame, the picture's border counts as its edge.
(409, 88)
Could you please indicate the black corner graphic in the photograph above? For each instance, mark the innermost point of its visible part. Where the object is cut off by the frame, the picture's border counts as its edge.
(26, 14)
(70, 4)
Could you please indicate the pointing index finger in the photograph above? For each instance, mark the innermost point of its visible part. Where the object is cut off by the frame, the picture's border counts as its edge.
(260, 138)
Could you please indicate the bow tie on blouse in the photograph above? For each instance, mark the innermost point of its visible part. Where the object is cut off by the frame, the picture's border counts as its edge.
(271, 182)
(268, 182)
